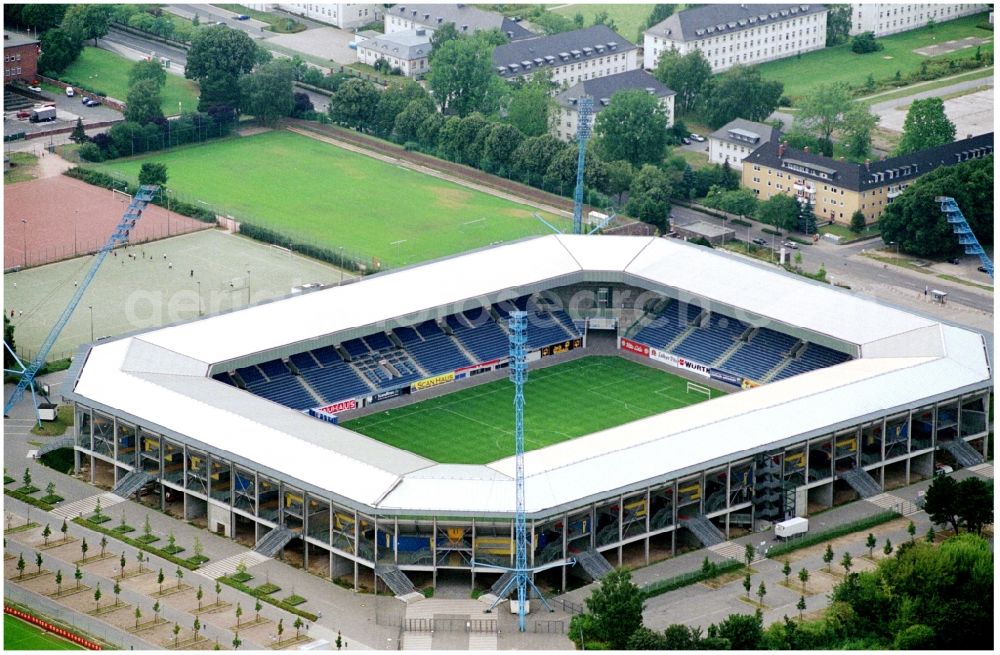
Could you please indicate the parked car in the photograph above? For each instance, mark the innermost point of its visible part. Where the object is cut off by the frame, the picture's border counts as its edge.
(697, 137)
(791, 244)
(981, 269)
(92, 102)
(24, 113)
(84, 100)
(36, 89)
(242, 17)
(70, 92)
(760, 242)
(953, 260)
(942, 469)
(686, 141)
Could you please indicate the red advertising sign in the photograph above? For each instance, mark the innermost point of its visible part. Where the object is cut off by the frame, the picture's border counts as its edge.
(635, 347)
(338, 407)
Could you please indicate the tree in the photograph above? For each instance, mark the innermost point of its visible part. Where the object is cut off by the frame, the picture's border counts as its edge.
(256, 608)
(117, 589)
(59, 50)
(236, 641)
(530, 107)
(147, 529)
(740, 92)
(871, 542)
(391, 104)
(59, 581)
(41, 17)
(823, 109)
(838, 24)
(139, 557)
(462, 79)
(147, 69)
(177, 632)
(408, 124)
(20, 566)
(196, 626)
(26, 478)
(744, 631)
(888, 547)
(761, 592)
(858, 126)
(156, 611)
(686, 74)
(142, 105)
(354, 104)
(847, 562)
(975, 504)
(659, 14)
(748, 554)
(179, 574)
(828, 556)
(747, 584)
(864, 43)
(616, 606)
(649, 198)
(633, 127)
(218, 56)
(84, 548)
(911, 529)
(532, 158)
(46, 533)
(281, 628)
(925, 126)
(78, 135)
(138, 615)
(267, 92)
(620, 174)
(87, 21)
(78, 576)
(858, 222)
(297, 625)
(64, 530)
(941, 502)
(239, 613)
(159, 580)
(787, 570)
(97, 596)
(801, 606)
(645, 639)
(103, 544)
(441, 35)
(781, 211)
(218, 591)
(807, 219)
(501, 141)
(931, 535)
(171, 540)
(199, 595)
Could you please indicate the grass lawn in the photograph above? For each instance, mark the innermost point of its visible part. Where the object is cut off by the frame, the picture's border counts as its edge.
(908, 91)
(629, 20)
(279, 24)
(839, 64)
(108, 72)
(22, 168)
(561, 402)
(21, 635)
(333, 197)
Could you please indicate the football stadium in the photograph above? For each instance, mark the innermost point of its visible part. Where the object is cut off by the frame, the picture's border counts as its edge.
(676, 397)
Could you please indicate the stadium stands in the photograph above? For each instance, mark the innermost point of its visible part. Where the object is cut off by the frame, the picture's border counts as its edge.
(483, 338)
(666, 327)
(272, 380)
(546, 326)
(765, 350)
(706, 344)
(813, 357)
(336, 381)
(433, 349)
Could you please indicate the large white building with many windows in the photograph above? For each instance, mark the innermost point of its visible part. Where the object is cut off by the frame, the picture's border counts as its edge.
(884, 18)
(408, 51)
(570, 57)
(467, 19)
(344, 16)
(738, 34)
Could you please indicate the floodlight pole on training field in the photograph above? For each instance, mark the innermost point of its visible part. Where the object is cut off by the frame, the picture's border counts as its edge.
(518, 323)
(28, 372)
(582, 134)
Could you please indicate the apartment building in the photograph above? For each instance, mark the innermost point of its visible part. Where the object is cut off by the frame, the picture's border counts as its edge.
(602, 90)
(20, 58)
(883, 18)
(738, 34)
(344, 16)
(407, 50)
(570, 57)
(466, 18)
(838, 188)
(735, 140)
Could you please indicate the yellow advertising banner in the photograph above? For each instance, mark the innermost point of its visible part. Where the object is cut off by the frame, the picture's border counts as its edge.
(434, 381)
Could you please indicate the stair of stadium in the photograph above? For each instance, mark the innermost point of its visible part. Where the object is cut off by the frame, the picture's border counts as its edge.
(724, 357)
(395, 580)
(272, 543)
(498, 586)
(777, 369)
(963, 453)
(860, 481)
(594, 563)
(704, 530)
(54, 444)
(131, 483)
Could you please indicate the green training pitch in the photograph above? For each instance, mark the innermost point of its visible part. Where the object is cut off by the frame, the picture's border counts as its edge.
(107, 72)
(335, 198)
(20, 635)
(840, 64)
(476, 425)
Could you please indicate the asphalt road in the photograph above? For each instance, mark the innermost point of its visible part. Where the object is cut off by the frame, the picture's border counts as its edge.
(134, 48)
(211, 14)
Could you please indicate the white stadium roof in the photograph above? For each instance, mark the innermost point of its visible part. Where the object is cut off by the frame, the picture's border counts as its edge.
(159, 377)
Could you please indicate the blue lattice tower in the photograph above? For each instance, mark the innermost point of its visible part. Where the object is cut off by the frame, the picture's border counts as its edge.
(27, 372)
(961, 228)
(522, 574)
(582, 134)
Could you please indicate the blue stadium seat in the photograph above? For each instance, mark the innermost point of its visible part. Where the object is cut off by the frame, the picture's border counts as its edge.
(336, 381)
(224, 378)
(327, 355)
(303, 361)
(355, 347)
(705, 344)
(814, 357)
(406, 334)
(274, 369)
(759, 355)
(251, 375)
(671, 322)
(481, 336)
(378, 341)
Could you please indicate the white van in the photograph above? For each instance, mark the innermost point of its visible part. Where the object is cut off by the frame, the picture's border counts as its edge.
(70, 92)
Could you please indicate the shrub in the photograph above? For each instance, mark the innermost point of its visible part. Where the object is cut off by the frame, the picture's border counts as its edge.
(91, 152)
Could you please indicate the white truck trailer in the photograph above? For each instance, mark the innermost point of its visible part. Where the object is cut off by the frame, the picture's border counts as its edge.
(791, 527)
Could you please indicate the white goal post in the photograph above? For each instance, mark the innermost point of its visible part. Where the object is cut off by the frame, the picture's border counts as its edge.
(280, 251)
(693, 387)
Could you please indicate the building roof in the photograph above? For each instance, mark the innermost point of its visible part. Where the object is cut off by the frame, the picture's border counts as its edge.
(13, 39)
(406, 44)
(861, 177)
(743, 132)
(602, 89)
(714, 20)
(528, 55)
(158, 378)
(467, 19)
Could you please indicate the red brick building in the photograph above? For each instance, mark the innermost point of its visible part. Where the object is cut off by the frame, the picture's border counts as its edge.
(20, 58)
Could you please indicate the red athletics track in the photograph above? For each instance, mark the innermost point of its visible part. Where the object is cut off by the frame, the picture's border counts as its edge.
(56, 207)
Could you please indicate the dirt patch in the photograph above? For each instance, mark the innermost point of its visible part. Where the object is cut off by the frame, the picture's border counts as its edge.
(55, 218)
(950, 46)
(251, 131)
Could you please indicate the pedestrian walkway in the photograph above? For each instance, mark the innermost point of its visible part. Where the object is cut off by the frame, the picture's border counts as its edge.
(483, 641)
(985, 470)
(417, 641)
(230, 565)
(895, 503)
(735, 551)
(87, 505)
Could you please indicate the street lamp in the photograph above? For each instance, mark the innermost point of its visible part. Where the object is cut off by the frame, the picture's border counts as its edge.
(199, 298)
(76, 218)
(248, 287)
(24, 236)
(91, 308)
(896, 244)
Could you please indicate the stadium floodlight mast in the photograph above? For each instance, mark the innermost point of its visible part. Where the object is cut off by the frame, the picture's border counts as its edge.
(522, 575)
(963, 231)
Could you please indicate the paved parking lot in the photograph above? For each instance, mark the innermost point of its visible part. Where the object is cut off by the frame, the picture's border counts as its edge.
(971, 114)
(326, 42)
(67, 111)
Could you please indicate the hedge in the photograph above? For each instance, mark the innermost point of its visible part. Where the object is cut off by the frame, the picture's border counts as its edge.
(839, 531)
(686, 579)
(280, 604)
(337, 258)
(101, 179)
(135, 543)
(23, 497)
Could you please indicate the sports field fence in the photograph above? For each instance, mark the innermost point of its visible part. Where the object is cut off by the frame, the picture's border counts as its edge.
(73, 620)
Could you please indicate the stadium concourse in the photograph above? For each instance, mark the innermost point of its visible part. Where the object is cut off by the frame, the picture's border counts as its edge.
(231, 421)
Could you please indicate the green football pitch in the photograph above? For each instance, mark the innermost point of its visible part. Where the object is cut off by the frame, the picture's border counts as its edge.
(20, 635)
(332, 197)
(476, 425)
